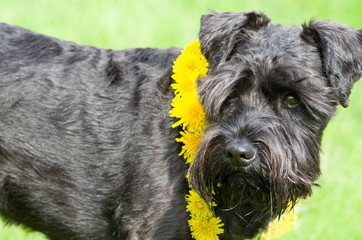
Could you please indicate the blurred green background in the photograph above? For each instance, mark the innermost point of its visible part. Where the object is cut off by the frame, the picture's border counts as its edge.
(335, 210)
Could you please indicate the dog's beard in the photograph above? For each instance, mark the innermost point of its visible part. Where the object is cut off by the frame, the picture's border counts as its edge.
(249, 197)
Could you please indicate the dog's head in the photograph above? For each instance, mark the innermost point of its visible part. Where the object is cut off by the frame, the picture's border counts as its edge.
(269, 94)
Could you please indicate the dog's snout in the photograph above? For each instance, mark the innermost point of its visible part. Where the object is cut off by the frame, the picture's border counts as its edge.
(240, 152)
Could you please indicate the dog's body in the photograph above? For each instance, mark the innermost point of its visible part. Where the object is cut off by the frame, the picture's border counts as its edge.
(79, 139)
(87, 150)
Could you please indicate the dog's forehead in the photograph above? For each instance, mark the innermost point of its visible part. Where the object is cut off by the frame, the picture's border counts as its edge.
(277, 45)
(250, 39)
(275, 40)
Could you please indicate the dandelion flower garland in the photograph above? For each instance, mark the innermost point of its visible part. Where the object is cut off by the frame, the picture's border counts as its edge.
(188, 67)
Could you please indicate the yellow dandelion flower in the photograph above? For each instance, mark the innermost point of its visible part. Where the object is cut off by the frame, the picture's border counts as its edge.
(192, 63)
(199, 127)
(196, 63)
(202, 229)
(193, 48)
(185, 83)
(188, 109)
(191, 142)
(191, 59)
(197, 206)
(281, 226)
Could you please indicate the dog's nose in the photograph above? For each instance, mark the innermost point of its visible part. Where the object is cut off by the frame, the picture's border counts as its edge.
(240, 152)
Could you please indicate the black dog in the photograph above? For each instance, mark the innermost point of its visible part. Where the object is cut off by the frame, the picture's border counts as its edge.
(87, 150)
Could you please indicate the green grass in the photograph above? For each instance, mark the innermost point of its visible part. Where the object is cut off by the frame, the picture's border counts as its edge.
(334, 211)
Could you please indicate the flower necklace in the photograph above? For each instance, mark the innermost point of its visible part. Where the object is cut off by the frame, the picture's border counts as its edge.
(188, 67)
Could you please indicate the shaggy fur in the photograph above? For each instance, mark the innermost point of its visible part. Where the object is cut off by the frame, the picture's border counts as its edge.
(86, 145)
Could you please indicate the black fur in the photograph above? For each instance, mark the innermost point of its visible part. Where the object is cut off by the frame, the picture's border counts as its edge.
(86, 145)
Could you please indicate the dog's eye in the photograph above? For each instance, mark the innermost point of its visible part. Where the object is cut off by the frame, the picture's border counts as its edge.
(232, 95)
(291, 100)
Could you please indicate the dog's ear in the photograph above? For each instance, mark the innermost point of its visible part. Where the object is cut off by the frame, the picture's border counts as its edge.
(219, 32)
(341, 53)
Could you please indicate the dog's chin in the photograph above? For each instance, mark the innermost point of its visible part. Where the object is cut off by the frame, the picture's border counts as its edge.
(243, 207)
(245, 224)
